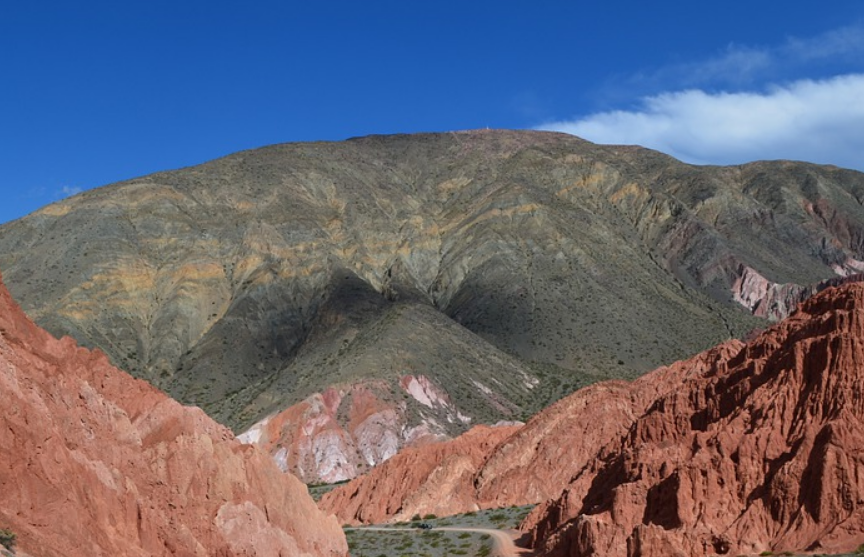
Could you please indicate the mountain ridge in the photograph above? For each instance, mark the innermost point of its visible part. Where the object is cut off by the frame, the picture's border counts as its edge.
(239, 285)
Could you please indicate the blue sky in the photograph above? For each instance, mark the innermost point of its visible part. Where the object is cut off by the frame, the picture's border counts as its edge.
(96, 92)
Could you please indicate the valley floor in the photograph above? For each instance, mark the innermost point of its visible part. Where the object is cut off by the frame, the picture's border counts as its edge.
(489, 533)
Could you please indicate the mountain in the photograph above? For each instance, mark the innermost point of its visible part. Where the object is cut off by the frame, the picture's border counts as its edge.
(505, 268)
(98, 463)
(742, 449)
(432, 378)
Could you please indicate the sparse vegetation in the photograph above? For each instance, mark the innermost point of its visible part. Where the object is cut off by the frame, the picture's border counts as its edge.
(435, 543)
(407, 542)
(568, 286)
(8, 539)
(317, 490)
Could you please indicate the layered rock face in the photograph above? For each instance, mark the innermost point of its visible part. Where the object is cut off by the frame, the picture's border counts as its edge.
(436, 478)
(777, 301)
(761, 451)
(98, 463)
(310, 440)
(529, 465)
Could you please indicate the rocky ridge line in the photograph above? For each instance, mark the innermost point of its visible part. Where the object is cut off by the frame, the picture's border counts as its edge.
(508, 267)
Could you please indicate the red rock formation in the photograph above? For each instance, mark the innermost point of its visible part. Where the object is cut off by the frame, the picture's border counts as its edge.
(741, 449)
(539, 460)
(761, 452)
(532, 464)
(436, 478)
(95, 462)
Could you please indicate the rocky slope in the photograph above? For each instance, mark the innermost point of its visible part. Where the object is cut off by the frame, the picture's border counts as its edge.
(248, 284)
(529, 465)
(436, 478)
(744, 448)
(762, 451)
(310, 439)
(435, 380)
(98, 463)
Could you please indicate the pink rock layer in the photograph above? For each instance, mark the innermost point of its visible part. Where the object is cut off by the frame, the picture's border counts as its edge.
(777, 301)
(338, 434)
(95, 463)
(763, 450)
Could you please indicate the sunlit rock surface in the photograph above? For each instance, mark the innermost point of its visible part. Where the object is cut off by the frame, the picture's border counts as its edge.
(98, 463)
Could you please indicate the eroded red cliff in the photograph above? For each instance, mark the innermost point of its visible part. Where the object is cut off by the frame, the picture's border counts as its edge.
(98, 463)
(764, 451)
(435, 478)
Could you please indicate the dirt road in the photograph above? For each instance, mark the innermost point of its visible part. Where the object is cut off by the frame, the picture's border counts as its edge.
(502, 541)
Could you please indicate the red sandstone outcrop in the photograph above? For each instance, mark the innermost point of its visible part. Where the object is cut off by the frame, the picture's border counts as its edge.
(539, 460)
(98, 463)
(761, 452)
(435, 478)
(741, 449)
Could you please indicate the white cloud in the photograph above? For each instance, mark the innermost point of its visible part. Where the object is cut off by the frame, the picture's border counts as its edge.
(738, 64)
(818, 121)
(842, 42)
(68, 191)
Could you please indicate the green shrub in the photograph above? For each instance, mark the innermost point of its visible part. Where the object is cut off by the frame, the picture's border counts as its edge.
(8, 538)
